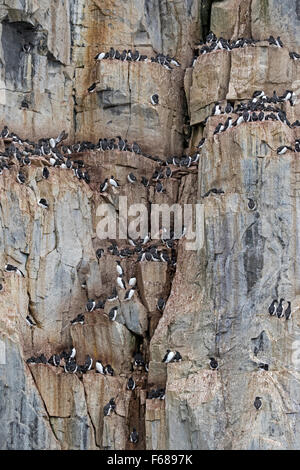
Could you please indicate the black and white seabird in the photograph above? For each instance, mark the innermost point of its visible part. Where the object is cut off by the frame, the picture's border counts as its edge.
(257, 403)
(113, 313)
(213, 363)
(21, 178)
(100, 56)
(131, 178)
(134, 436)
(45, 173)
(30, 322)
(71, 366)
(217, 110)
(78, 320)
(161, 303)
(169, 356)
(288, 311)
(154, 99)
(121, 282)
(130, 384)
(100, 305)
(130, 293)
(103, 186)
(283, 149)
(113, 296)
(92, 88)
(279, 310)
(54, 360)
(109, 370)
(111, 406)
(251, 204)
(10, 269)
(272, 307)
(99, 367)
(99, 252)
(91, 304)
(119, 268)
(43, 203)
(132, 281)
(145, 182)
(113, 182)
(88, 364)
(138, 359)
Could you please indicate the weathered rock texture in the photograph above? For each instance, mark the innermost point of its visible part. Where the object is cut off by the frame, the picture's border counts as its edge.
(218, 298)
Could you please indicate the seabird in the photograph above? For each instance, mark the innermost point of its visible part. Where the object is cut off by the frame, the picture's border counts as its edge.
(121, 282)
(78, 320)
(109, 370)
(100, 56)
(54, 360)
(21, 178)
(272, 307)
(145, 182)
(213, 363)
(103, 186)
(288, 311)
(154, 99)
(251, 204)
(257, 403)
(10, 268)
(217, 110)
(161, 304)
(99, 367)
(90, 305)
(71, 366)
(100, 305)
(72, 353)
(131, 178)
(99, 252)
(114, 182)
(131, 384)
(129, 294)
(138, 359)
(279, 310)
(119, 268)
(111, 406)
(134, 436)
(169, 356)
(113, 296)
(4, 132)
(132, 281)
(283, 149)
(113, 313)
(45, 173)
(219, 128)
(88, 363)
(30, 321)
(43, 203)
(92, 88)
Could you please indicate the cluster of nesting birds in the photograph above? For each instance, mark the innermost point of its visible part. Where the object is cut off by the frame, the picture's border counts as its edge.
(277, 309)
(212, 44)
(258, 109)
(285, 148)
(134, 56)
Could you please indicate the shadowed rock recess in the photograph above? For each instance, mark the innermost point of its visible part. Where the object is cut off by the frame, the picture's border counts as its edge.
(217, 298)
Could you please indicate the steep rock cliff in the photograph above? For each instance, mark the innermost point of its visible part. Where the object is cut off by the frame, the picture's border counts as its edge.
(218, 297)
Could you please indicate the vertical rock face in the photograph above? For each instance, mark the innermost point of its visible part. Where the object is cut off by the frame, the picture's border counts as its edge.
(217, 298)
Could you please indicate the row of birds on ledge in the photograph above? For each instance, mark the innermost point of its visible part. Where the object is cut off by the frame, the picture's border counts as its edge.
(134, 56)
(255, 110)
(277, 309)
(212, 44)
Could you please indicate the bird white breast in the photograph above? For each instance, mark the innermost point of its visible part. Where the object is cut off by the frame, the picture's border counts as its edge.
(120, 282)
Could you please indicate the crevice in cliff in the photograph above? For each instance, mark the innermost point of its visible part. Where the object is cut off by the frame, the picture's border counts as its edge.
(44, 404)
(90, 417)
